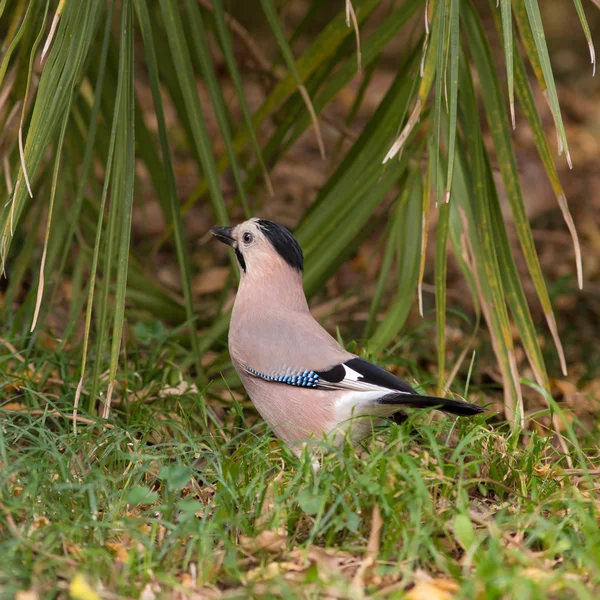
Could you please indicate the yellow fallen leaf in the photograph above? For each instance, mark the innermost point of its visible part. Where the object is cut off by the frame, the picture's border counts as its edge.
(436, 589)
(445, 583)
(80, 589)
(534, 574)
(40, 522)
(542, 470)
(16, 406)
(120, 550)
(73, 549)
(263, 573)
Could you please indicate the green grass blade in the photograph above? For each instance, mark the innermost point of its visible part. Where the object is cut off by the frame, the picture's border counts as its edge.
(526, 35)
(227, 47)
(271, 14)
(41, 279)
(441, 269)
(60, 73)
(500, 130)
(183, 257)
(121, 206)
(322, 49)
(352, 224)
(505, 8)
(203, 57)
(103, 301)
(32, 56)
(370, 51)
(88, 154)
(429, 62)
(15, 40)
(537, 28)
(530, 111)
(384, 273)
(453, 95)
(122, 190)
(426, 204)
(513, 289)
(405, 234)
(472, 192)
(340, 216)
(187, 82)
(462, 250)
(439, 33)
(587, 33)
(360, 166)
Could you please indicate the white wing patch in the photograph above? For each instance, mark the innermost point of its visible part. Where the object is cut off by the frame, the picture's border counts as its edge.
(352, 381)
(351, 374)
(357, 411)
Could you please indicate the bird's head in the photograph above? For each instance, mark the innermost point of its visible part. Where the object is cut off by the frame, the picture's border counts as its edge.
(262, 246)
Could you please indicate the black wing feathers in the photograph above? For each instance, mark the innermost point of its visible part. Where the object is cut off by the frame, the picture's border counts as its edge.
(333, 375)
(401, 394)
(454, 407)
(377, 376)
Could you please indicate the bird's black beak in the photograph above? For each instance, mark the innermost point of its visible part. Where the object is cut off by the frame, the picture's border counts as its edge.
(223, 234)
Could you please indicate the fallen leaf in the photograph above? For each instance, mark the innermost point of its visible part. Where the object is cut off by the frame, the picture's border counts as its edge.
(149, 592)
(73, 550)
(327, 561)
(40, 522)
(365, 571)
(375, 535)
(534, 574)
(120, 550)
(16, 406)
(266, 541)
(542, 470)
(80, 589)
(183, 387)
(436, 589)
(269, 571)
(26, 595)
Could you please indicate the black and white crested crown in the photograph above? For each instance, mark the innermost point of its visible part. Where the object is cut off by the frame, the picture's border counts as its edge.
(284, 243)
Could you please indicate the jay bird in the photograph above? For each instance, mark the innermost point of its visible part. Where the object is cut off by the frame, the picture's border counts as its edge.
(301, 381)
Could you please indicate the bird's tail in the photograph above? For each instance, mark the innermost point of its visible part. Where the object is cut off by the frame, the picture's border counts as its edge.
(454, 407)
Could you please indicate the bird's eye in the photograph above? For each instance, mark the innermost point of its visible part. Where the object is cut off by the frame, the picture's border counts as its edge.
(247, 237)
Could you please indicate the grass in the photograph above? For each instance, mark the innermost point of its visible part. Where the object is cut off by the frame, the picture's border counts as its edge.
(168, 499)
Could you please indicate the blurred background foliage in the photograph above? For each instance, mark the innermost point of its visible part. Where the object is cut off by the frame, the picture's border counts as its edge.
(409, 145)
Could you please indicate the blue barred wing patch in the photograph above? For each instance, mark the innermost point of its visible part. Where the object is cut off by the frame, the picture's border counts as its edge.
(308, 379)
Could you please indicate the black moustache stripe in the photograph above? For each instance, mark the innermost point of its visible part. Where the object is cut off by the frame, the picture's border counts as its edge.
(240, 259)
